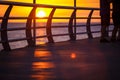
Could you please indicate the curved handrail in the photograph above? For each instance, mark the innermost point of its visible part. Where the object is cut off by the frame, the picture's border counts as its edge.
(48, 27)
(29, 27)
(29, 19)
(88, 29)
(4, 35)
(70, 26)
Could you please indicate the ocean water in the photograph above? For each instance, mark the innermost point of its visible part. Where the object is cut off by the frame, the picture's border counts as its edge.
(42, 32)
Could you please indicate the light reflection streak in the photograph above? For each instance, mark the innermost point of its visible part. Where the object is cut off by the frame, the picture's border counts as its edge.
(40, 41)
(43, 76)
(43, 69)
(42, 65)
(42, 54)
(40, 32)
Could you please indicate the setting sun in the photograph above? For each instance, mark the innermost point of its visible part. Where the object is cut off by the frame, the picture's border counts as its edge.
(40, 13)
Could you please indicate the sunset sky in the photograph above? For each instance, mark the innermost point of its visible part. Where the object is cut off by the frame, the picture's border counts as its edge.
(87, 3)
(16, 11)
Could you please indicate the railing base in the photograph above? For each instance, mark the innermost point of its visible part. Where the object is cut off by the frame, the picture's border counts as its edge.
(4, 51)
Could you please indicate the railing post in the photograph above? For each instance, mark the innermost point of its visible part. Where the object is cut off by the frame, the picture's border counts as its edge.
(72, 35)
(4, 35)
(88, 25)
(34, 25)
(48, 27)
(29, 37)
(75, 20)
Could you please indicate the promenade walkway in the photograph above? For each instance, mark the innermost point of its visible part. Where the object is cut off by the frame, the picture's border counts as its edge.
(79, 60)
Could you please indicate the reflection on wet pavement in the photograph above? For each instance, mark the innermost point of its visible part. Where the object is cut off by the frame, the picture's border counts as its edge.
(61, 62)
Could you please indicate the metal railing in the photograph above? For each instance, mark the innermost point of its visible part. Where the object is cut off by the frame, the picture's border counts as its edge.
(31, 36)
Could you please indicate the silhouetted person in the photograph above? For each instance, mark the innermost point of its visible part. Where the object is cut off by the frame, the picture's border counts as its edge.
(105, 19)
(116, 20)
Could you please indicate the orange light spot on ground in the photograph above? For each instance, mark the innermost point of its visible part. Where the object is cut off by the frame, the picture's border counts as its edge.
(73, 55)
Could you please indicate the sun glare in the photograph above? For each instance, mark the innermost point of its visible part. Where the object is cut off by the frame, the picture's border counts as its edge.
(40, 14)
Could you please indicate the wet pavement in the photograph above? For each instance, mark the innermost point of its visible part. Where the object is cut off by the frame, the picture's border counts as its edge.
(77, 60)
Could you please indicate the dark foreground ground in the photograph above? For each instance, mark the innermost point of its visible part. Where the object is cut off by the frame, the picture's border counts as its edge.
(79, 60)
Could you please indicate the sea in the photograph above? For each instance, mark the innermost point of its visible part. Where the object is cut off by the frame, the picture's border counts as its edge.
(59, 28)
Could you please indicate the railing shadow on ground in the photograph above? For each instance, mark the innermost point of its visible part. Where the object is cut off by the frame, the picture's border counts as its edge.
(30, 29)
